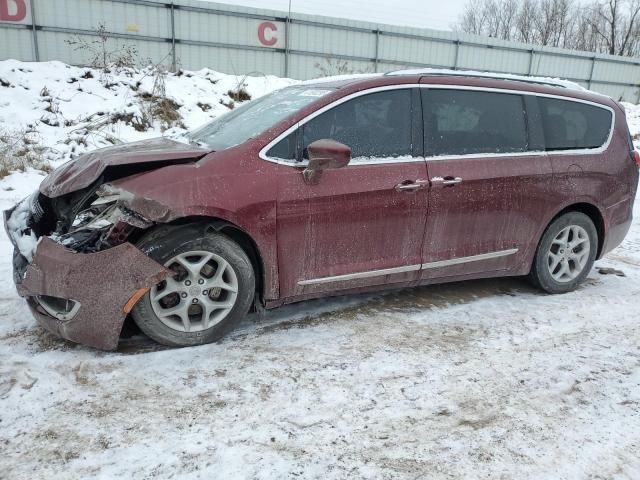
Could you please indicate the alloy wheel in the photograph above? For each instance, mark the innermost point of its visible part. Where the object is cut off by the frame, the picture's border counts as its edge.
(201, 293)
(568, 253)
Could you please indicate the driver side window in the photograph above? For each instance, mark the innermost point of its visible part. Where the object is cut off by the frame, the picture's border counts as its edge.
(376, 125)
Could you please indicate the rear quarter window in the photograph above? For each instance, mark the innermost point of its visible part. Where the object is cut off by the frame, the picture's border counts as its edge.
(570, 125)
(461, 122)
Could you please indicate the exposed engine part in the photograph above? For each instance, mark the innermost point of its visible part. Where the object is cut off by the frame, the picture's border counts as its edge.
(37, 210)
(68, 207)
(103, 225)
(85, 221)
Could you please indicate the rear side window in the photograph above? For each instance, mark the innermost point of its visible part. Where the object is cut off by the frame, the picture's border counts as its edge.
(459, 122)
(572, 125)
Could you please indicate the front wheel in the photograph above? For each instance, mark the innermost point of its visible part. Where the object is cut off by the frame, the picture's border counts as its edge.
(211, 290)
(565, 253)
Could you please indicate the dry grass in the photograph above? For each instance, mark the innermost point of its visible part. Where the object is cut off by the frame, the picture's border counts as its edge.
(205, 107)
(21, 149)
(230, 104)
(166, 111)
(239, 94)
(156, 106)
(139, 123)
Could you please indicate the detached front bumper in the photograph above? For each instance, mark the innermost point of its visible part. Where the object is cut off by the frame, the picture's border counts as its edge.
(100, 288)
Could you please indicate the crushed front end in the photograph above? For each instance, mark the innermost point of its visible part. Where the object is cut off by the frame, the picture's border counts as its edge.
(76, 266)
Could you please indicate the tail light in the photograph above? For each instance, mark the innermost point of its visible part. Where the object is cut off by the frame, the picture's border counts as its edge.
(636, 157)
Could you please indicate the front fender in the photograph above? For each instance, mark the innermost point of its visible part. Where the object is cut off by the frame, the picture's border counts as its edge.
(176, 192)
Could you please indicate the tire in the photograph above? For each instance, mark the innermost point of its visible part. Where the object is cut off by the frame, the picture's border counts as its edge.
(206, 321)
(554, 277)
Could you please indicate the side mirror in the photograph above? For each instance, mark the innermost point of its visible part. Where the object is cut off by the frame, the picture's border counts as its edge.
(325, 154)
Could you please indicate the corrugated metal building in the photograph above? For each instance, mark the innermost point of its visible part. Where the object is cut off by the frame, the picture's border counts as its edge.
(233, 39)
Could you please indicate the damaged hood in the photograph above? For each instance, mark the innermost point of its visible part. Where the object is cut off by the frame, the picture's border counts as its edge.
(87, 168)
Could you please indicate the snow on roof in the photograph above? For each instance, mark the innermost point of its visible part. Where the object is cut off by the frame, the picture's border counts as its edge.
(557, 82)
(551, 81)
(340, 78)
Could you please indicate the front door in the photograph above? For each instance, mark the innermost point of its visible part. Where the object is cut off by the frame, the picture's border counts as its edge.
(363, 224)
(490, 182)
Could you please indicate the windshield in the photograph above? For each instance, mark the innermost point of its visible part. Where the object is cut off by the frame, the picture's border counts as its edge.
(253, 118)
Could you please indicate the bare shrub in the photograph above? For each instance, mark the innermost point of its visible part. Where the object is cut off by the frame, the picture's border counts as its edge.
(21, 149)
(167, 111)
(139, 122)
(230, 104)
(330, 67)
(52, 116)
(102, 54)
(239, 94)
(156, 106)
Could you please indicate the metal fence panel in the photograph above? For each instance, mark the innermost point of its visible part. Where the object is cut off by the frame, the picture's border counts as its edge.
(483, 58)
(239, 62)
(221, 29)
(118, 17)
(390, 67)
(617, 92)
(416, 51)
(16, 43)
(304, 66)
(53, 47)
(313, 38)
(555, 66)
(615, 72)
(234, 39)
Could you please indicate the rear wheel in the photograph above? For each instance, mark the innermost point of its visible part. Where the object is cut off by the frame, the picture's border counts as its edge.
(566, 253)
(211, 289)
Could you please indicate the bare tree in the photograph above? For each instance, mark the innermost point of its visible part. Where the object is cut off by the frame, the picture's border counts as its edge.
(493, 18)
(508, 11)
(525, 25)
(615, 22)
(603, 26)
(100, 52)
(472, 19)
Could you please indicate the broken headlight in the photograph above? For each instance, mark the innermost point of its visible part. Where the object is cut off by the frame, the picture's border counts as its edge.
(106, 199)
(104, 224)
(97, 216)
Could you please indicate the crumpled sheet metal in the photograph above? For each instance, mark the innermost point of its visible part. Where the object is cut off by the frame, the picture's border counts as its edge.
(102, 282)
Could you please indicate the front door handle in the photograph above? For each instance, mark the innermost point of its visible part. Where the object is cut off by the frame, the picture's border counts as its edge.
(409, 186)
(446, 181)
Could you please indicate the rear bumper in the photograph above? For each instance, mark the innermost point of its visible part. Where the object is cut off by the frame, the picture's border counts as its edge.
(620, 217)
(100, 284)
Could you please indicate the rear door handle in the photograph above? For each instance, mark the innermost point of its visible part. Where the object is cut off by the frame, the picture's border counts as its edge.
(409, 186)
(445, 181)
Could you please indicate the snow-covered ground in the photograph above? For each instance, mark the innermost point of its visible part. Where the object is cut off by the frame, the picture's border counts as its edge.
(483, 379)
(66, 110)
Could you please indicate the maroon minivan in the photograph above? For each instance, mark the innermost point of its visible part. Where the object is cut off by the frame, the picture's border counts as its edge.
(322, 189)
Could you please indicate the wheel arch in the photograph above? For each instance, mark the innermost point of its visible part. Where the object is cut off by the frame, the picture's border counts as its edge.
(591, 211)
(218, 225)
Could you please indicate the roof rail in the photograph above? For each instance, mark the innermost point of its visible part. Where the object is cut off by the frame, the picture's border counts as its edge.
(499, 76)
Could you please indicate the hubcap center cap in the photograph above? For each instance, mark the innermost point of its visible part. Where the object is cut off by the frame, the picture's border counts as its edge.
(194, 290)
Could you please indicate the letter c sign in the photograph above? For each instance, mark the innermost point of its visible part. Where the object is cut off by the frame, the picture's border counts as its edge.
(265, 34)
(18, 11)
